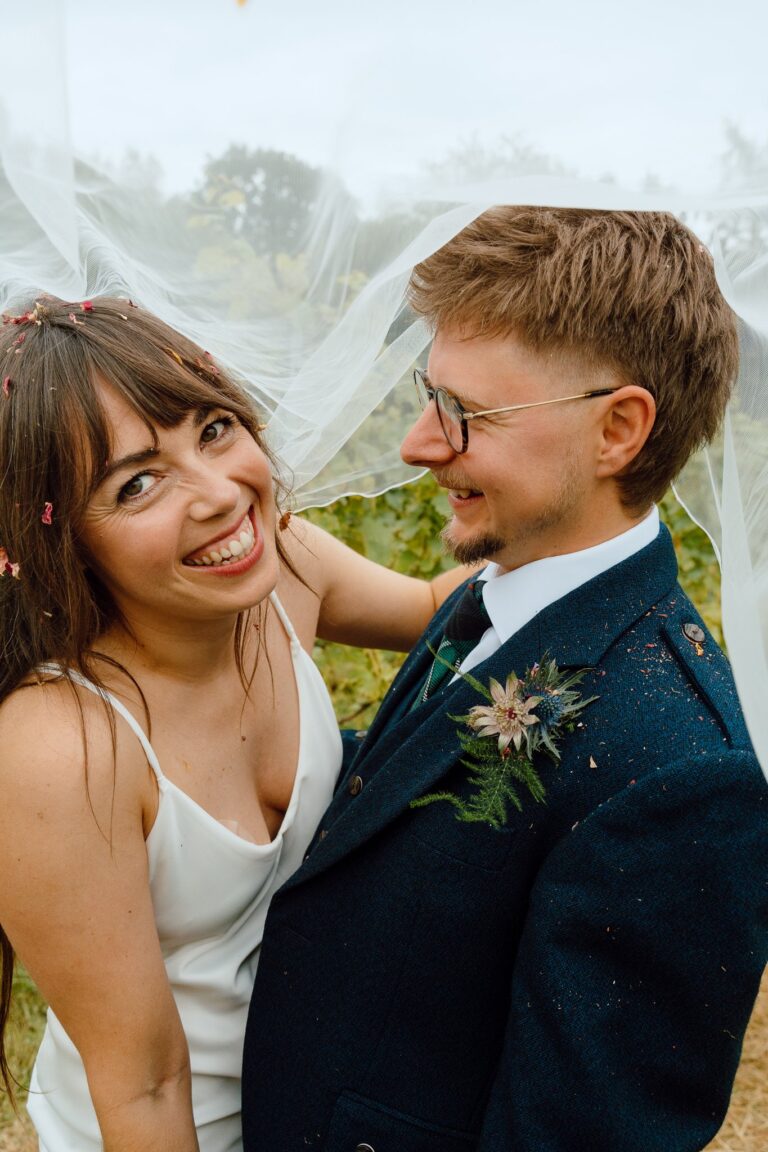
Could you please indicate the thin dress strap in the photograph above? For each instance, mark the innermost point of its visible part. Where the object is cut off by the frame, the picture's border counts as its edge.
(284, 619)
(118, 706)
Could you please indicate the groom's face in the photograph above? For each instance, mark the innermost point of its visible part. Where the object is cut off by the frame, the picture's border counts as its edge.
(524, 488)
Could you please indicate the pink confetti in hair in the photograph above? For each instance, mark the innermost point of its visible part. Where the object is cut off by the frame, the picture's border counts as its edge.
(212, 367)
(7, 567)
(86, 306)
(6, 386)
(47, 516)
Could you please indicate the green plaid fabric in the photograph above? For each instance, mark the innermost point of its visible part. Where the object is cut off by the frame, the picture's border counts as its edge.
(463, 629)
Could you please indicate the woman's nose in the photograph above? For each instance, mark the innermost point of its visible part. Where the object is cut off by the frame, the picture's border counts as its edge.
(214, 493)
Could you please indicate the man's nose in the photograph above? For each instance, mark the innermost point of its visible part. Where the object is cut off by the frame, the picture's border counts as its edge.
(425, 446)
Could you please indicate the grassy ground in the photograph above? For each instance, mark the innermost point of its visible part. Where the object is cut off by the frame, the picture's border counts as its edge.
(26, 1028)
(745, 1128)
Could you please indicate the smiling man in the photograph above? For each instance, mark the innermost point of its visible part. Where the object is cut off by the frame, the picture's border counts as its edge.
(534, 917)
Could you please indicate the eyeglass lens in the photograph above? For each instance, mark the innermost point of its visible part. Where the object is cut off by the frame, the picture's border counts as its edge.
(450, 419)
(448, 413)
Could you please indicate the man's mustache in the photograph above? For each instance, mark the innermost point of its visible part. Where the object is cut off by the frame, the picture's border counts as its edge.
(453, 480)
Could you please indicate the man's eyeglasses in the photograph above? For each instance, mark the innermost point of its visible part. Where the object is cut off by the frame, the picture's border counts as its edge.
(454, 420)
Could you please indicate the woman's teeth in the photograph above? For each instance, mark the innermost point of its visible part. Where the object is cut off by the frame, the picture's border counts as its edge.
(463, 493)
(235, 549)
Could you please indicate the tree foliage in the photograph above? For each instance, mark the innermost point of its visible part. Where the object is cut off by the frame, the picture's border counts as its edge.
(259, 194)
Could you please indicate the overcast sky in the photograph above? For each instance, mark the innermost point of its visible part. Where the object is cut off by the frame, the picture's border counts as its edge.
(377, 89)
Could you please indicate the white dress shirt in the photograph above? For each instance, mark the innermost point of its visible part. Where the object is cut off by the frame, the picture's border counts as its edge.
(514, 598)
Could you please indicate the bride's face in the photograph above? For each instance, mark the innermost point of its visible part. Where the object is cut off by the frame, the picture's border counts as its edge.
(182, 527)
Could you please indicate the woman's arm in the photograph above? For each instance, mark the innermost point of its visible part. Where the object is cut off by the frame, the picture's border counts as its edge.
(363, 603)
(75, 902)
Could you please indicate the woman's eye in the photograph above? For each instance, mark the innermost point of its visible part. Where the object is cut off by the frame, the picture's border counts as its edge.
(216, 429)
(136, 487)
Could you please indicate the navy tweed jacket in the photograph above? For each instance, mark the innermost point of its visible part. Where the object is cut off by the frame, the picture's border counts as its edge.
(579, 981)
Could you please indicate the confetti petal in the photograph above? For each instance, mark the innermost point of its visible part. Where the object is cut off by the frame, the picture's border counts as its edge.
(47, 516)
(212, 367)
(7, 567)
(7, 386)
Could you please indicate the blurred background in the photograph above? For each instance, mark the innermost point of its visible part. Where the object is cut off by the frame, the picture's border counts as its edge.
(265, 176)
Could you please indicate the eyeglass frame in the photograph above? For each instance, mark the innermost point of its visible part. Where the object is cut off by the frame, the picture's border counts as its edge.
(424, 387)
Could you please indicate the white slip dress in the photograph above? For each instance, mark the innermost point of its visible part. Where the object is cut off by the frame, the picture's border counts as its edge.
(211, 891)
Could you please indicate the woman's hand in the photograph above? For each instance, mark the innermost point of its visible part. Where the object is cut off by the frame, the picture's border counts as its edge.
(76, 904)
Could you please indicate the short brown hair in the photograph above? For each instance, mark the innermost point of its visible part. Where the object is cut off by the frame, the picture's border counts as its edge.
(634, 291)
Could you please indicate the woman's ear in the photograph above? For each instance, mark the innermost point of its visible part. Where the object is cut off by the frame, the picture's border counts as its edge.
(627, 424)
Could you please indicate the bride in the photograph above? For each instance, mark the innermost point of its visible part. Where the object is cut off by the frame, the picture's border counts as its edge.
(168, 744)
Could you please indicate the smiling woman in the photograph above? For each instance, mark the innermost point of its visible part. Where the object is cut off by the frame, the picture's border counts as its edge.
(145, 581)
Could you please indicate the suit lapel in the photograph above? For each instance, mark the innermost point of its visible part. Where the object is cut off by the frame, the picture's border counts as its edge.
(397, 703)
(408, 751)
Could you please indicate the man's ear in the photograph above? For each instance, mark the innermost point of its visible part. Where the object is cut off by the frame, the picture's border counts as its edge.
(627, 424)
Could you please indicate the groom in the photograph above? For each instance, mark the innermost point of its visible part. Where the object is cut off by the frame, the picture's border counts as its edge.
(488, 947)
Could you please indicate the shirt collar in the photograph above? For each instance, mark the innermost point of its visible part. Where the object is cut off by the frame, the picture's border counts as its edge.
(514, 598)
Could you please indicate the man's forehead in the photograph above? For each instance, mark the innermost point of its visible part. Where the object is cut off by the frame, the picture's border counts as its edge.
(469, 365)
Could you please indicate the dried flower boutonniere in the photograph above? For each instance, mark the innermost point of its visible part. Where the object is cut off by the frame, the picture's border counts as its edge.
(499, 740)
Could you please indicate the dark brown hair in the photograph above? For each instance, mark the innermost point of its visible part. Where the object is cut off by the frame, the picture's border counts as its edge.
(54, 447)
(634, 291)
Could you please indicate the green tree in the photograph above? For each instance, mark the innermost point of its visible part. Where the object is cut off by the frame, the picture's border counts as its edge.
(261, 195)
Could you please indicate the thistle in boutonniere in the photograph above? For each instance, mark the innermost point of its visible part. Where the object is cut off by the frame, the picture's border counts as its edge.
(527, 715)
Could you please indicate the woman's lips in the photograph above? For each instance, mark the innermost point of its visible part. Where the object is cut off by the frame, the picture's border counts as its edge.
(233, 552)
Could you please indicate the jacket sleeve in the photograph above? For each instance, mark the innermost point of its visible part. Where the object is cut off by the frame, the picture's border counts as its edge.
(639, 963)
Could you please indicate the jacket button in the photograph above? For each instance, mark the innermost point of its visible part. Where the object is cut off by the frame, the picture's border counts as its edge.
(693, 633)
(365, 1148)
(355, 786)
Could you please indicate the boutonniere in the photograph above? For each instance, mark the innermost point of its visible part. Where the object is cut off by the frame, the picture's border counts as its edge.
(500, 739)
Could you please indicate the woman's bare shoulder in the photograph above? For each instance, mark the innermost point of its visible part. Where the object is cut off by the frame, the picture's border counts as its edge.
(52, 730)
(44, 706)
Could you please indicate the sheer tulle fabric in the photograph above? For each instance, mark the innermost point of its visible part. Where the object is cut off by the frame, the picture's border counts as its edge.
(407, 121)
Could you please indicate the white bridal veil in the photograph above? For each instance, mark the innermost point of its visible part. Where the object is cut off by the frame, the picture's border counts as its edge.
(265, 176)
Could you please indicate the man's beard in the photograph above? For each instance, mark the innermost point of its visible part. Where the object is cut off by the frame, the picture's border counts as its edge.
(488, 546)
(471, 551)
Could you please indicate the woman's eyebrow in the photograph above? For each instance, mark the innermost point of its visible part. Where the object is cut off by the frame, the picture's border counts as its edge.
(129, 461)
(199, 417)
(202, 414)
